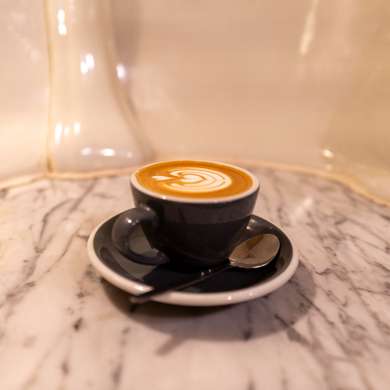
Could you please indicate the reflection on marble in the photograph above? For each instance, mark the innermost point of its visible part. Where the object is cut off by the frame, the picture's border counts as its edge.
(61, 327)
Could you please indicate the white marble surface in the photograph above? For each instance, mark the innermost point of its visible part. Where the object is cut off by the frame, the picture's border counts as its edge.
(61, 327)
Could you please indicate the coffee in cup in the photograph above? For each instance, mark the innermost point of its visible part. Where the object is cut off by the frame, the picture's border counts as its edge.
(194, 179)
(192, 211)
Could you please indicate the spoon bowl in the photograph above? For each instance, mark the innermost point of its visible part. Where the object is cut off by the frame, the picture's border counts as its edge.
(255, 252)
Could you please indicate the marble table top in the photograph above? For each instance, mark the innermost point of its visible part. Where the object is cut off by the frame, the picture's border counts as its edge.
(62, 327)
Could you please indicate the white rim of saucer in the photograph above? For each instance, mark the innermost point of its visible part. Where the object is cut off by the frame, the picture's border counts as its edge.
(192, 299)
(254, 187)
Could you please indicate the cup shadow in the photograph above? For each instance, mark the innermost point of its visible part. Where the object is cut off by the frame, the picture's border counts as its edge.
(278, 311)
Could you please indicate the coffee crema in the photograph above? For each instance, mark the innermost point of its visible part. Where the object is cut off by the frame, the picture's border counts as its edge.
(194, 179)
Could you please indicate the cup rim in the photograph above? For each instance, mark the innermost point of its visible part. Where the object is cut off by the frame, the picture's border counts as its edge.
(254, 187)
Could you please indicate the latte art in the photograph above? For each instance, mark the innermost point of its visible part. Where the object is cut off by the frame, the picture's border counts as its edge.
(194, 180)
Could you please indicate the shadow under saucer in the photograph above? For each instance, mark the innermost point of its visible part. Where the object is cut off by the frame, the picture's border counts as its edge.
(275, 312)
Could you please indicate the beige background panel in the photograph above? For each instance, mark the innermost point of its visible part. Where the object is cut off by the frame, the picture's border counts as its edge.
(303, 84)
(24, 88)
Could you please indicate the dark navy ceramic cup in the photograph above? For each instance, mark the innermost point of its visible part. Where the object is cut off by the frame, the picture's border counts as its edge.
(195, 232)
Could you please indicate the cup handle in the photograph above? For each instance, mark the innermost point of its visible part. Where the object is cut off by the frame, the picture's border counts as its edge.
(126, 224)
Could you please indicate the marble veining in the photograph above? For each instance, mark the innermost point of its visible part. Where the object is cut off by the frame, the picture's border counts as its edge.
(62, 327)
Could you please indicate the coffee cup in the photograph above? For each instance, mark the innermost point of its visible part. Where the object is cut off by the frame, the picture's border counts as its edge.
(192, 211)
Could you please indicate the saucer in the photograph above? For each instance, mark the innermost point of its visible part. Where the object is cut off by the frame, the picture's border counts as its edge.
(233, 286)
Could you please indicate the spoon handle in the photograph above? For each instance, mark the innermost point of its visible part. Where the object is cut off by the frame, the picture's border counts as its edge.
(191, 280)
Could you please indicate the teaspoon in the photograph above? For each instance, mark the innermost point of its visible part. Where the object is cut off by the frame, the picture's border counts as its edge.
(253, 253)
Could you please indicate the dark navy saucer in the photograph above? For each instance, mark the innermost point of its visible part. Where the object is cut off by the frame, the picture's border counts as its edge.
(232, 286)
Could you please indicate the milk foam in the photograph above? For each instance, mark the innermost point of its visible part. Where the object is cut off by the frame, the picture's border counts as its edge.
(193, 180)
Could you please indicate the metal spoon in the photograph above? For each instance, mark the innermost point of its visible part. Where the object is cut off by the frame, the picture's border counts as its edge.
(255, 252)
